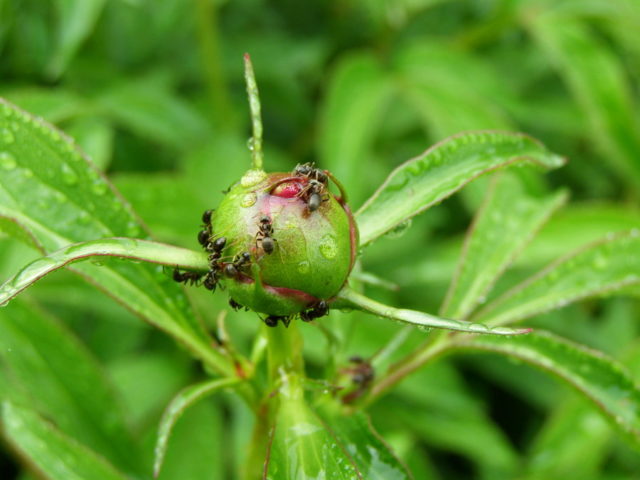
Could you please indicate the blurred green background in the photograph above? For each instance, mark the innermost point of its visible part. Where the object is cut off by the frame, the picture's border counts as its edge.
(153, 91)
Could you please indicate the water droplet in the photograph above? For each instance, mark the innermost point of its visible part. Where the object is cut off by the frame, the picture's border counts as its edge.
(60, 197)
(304, 267)
(250, 144)
(7, 136)
(7, 161)
(328, 247)
(400, 229)
(99, 187)
(69, 176)
(252, 177)
(249, 200)
(84, 218)
(600, 262)
(97, 262)
(14, 126)
(28, 173)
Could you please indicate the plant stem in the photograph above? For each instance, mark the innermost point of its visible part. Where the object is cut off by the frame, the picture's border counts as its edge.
(209, 44)
(254, 106)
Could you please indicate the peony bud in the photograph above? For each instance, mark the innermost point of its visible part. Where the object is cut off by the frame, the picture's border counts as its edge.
(290, 242)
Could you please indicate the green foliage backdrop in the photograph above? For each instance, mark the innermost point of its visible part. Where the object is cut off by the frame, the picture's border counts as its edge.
(153, 92)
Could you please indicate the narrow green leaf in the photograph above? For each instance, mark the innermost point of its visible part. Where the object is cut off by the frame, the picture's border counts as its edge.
(596, 78)
(507, 221)
(600, 268)
(597, 377)
(370, 453)
(64, 382)
(129, 248)
(352, 299)
(54, 455)
(358, 91)
(182, 401)
(439, 172)
(76, 18)
(48, 187)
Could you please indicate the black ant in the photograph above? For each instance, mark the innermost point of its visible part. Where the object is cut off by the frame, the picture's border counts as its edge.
(362, 374)
(235, 305)
(204, 236)
(188, 278)
(317, 310)
(315, 191)
(239, 264)
(272, 320)
(264, 235)
(308, 170)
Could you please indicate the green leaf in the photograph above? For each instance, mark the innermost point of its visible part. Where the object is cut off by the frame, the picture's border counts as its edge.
(439, 172)
(301, 445)
(150, 109)
(182, 401)
(600, 268)
(95, 137)
(367, 449)
(76, 18)
(64, 382)
(352, 299)
(358, 91)
(450, 90)
(596, 78)
(54, 455)
(508, 219)
(597, 377)
(48, 187)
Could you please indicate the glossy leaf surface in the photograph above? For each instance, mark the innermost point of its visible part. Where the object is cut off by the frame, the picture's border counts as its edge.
(599, 378)
(48, 187)
(598, 269)
(55, 455)
(439, 172)
(59, 379)
(505, 223)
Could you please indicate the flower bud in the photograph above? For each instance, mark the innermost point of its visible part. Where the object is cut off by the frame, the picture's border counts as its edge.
(290, 242)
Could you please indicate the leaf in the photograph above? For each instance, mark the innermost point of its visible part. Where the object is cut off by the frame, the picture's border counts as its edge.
(301, 445)
(505, 223)
(597, 377)
(95, 137)
(358, 91)
(596, 78)
(597, 269)
(55, 455)
(352, 299)
(439, 172)
(50, 189)
(63, 381)
(450, 90)
(128, 248)
(150, 109)
(182, 401)
(365, 446)
(76, 18)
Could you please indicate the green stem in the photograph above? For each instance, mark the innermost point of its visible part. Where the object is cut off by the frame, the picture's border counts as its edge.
(256, 120)
(351, 298)
(209, 44)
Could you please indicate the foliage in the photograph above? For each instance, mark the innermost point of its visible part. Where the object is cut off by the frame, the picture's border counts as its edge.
(153, 93)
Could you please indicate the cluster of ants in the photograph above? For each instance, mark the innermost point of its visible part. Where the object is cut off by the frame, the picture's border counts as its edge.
(313, 194)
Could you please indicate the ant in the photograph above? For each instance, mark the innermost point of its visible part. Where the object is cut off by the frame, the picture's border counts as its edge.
(235, 305)
(264, 235)
(315, 191)
(239, 264)
(272, 320)
(317, 310)
(204, 236)
(190, 278)
(362, 374)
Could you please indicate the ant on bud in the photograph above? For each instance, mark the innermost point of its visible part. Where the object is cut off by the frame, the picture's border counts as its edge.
(264, 235)
(317, 310)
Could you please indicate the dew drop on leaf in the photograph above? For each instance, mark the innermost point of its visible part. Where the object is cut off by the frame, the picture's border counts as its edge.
(7, 161)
